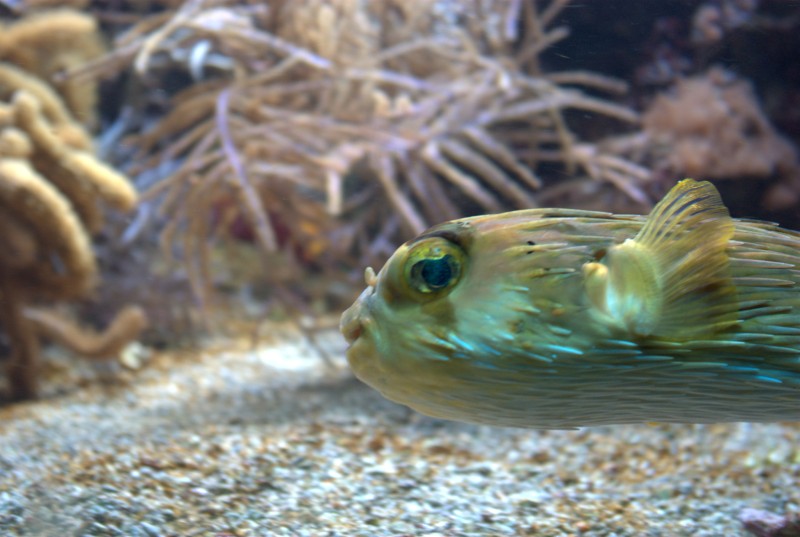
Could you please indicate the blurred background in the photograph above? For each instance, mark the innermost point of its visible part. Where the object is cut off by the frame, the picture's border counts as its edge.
(175, 169)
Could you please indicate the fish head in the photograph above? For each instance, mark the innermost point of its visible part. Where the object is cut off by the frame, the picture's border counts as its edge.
(407, 307)
(451, 304)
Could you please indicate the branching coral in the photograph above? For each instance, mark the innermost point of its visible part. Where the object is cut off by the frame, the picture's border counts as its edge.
(49, 43)
(712, 21)
(124, 328)
(14, 79)
(337, 128)
(49, 194)
(27, 6)
(712, 126)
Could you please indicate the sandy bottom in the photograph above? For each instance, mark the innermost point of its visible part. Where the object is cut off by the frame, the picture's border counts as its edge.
(236, 441)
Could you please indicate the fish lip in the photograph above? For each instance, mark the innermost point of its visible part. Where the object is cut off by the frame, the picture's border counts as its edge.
(358, 327)
(350, 326)
(354, 318)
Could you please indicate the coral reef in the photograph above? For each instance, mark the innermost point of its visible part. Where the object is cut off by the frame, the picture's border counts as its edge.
(745, 52)
(712, 126)
(49, 195)
(27, 6)
(333, 130)
(48, 44)
(323, 133)
(124, 328)
(14, 79)
(713, 20)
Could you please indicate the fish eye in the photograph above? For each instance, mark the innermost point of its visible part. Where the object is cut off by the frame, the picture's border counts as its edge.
(433, 266)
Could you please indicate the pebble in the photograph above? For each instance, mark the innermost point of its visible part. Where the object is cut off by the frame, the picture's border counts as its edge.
(294, 451)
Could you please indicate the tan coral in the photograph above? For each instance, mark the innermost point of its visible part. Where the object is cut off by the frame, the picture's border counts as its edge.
(712, 126)
(27, 6)
(43, 211)
(14, 79)
(82, 178)
(109, 343)
(34, 213)
(49, 206)
(50, 43)
(335, 128)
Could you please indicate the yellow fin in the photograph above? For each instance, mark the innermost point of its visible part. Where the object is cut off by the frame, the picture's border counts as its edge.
(673, 279)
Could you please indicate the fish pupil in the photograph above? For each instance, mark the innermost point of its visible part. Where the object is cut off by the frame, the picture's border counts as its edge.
(431, 268)
(436, 272)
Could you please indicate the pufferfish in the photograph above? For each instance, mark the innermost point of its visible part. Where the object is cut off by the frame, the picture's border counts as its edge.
(559, 318)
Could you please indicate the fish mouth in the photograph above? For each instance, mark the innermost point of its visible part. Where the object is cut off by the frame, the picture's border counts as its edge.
(354, 319)
(350, 325)
(358, 328)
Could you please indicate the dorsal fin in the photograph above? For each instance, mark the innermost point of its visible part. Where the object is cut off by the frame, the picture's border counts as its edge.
(673, 279)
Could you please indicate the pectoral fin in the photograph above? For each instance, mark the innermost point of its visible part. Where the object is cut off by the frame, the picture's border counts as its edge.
(673, 279)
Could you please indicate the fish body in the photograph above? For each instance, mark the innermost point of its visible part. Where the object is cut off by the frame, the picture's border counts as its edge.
(558, 318)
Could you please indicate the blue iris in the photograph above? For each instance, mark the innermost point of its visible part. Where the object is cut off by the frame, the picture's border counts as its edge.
(436, 272)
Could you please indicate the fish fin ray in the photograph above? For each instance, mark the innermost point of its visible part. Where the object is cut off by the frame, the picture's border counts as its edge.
(673, 279)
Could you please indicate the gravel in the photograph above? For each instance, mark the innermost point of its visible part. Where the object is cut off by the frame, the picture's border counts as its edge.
(241, 441)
